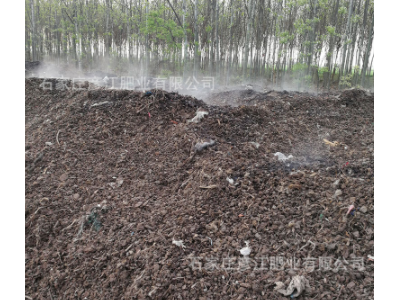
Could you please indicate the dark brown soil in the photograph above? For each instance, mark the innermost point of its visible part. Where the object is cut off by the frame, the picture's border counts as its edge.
(112, 178)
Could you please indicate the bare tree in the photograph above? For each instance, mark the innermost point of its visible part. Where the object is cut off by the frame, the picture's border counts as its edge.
(344, 39)
(368, 50)
(248, 35)
(33, 34)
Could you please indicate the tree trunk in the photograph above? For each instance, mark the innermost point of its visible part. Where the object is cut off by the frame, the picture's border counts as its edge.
(216, 8)
(128, 34)
(367, 52)
(209, 38)
(229, 58)
(332, 39)
(344, 39)
(353, 43)
(107, 33)
(34, 57)
(196, 40)
(370, 66)
(147, 48)
(248, 36)
(361, 40)
(312, 38)
(185, 53)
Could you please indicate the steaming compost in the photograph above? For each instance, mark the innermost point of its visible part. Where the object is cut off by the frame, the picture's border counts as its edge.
(120, 205)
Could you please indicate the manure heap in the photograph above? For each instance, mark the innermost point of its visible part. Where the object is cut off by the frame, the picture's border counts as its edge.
(121, 205)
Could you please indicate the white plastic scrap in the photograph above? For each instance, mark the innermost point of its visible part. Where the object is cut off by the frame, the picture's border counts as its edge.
(282, 157)
(179, 243)
(100, 103)
(119, 182)
(199, 115)
(246, 250)
(201, 146)
(337, 193)
(255, 144)
(295, 288)
(336, 183)
(49, 143)
(230, 180)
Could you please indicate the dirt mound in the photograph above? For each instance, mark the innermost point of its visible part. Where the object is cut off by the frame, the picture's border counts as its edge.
(233, 97)
(113, 178)
(31, 67)
(247, 97)
(354, 97)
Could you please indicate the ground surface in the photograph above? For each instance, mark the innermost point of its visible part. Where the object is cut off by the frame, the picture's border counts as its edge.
(112, 178)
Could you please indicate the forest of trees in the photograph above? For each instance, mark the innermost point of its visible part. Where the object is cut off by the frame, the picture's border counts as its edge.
(324, 42)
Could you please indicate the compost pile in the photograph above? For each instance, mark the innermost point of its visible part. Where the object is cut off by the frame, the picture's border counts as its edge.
(243, 97)
(32, 67)
(152, 195)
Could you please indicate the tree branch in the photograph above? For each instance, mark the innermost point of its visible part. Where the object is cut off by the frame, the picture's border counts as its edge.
(179, 21)
(64, 10)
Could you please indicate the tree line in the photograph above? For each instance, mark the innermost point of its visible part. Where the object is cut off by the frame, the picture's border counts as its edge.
(323, 42)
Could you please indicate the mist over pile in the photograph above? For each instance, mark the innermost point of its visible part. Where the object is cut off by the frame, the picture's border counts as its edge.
(202, 85)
